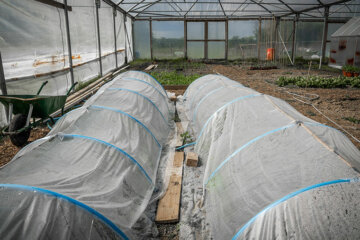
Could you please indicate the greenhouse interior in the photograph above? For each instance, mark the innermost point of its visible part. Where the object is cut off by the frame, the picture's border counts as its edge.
(179, 119)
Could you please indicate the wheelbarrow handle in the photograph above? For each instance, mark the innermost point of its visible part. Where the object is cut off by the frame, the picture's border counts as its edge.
(42, 85)
(71, 88)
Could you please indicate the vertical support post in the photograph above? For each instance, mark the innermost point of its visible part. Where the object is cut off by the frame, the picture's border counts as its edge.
(97, 6)
(206, 41)
(259, 40)
(276, 37)
(293, 49)
(69, 42)
(115, 47)
(132, 42)
(3, 87)
(185, 39)
(324, 37)
(226, 38)
(151, 42)
(125, 30)
(2, 78)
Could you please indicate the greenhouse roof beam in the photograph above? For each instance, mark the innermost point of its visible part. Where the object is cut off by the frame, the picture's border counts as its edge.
(317, 7)
(149, 5)
(174, 8)
(191, 8)
(222, 8)
(287, 5)
(55, 4)
(137, 4)
(109, 2)
(262, 6)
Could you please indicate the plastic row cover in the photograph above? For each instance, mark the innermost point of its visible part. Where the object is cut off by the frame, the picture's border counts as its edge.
(270, 171)
(94, 173)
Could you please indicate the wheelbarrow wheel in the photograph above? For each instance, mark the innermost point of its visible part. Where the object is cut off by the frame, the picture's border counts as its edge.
(18, 122)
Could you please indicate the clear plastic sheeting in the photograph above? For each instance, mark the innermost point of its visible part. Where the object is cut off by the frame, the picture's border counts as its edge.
(32, 38)
(142, 39)
(96, 169)
(267, 166)
(168, 39)
(345, 45)
(34, 45)
(232, 9)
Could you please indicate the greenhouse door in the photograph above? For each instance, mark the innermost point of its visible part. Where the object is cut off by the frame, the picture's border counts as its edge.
(205, 40)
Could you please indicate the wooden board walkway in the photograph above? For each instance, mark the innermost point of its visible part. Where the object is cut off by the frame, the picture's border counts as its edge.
(168, 210)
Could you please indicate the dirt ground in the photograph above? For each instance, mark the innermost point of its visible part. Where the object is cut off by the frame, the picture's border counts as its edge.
(8, 150)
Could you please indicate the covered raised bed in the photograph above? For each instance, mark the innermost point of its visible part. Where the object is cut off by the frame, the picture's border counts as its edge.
(93, 175)
(270, 172)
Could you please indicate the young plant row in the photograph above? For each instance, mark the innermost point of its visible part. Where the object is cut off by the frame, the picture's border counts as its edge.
(319, 82)
(350, 71)
(174, 78)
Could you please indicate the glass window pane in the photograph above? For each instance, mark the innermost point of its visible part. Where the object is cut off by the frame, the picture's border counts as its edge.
(243, 39)
(195, 30)
(195, 50)
(308, 39)
(142, 39)
(216, 30)
(216, 50)
(168, 39)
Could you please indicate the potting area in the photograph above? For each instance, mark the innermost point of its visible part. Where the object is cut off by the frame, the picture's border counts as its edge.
(180, 119)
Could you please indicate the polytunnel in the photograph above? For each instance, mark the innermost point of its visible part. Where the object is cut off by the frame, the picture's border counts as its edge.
(270, 172)
(93, 175)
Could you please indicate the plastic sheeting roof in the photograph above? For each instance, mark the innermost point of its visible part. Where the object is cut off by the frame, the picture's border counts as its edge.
(350, 29)
(242, 8)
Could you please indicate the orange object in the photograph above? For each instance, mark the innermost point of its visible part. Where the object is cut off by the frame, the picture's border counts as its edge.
(270, 53)
(356, 74)
(349, 74)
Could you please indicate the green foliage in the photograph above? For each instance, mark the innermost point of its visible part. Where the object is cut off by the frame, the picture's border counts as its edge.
(174, 78)
(351, 69)
(139, 62)
(319, 82)
(352, 119)
(82, 85)
(186, 137)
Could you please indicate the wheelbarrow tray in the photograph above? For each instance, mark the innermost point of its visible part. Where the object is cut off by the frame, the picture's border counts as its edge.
(43, 106)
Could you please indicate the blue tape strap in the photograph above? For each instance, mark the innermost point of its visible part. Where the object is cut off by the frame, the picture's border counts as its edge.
(186, 145)
(139, 80)
(148, 99)
(209, 94)
(224, 106)
(152, 78)
(128, 115)
(71, 200)
(246, 145)
(287, 197)
(112, 146)
(323, 125)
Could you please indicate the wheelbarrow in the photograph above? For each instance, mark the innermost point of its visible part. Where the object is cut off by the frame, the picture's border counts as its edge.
(25, 107)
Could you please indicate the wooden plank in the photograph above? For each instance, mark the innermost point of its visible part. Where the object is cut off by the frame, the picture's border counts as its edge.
(192, 159)
(149, 67)
(168, 210)
(178, 159)
(180, 130)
